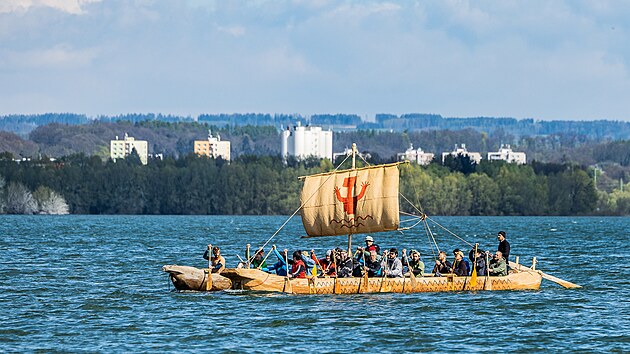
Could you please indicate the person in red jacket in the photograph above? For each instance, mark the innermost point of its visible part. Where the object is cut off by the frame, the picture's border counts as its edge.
(326, 264)
(298, 268)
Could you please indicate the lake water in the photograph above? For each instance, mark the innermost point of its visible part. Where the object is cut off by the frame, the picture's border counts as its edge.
(94, 283)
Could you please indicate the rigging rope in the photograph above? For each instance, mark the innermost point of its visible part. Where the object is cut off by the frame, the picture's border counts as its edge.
(297, 210)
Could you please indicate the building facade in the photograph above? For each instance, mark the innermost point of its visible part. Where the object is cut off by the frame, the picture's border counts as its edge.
(213, 147)
(119, 149)
(302, 142)
(418, 156)
(474, 156)
(505, 153)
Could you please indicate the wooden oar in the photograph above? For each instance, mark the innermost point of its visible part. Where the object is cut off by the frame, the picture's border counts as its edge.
(473, 276)
(487, 285)
(563, 283)
(412, 276)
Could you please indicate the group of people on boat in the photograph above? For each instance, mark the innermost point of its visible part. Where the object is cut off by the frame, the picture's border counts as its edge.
(369, 259)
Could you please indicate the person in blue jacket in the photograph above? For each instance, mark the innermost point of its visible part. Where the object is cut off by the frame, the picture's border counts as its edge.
(279, 267)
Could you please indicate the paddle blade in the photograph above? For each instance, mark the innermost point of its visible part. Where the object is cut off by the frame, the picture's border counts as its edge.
(473, 278)
(314, 271)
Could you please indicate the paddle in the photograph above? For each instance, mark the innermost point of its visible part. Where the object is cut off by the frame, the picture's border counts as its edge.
(487, 285)
(473, 275)
(563, 283)
(412, 276)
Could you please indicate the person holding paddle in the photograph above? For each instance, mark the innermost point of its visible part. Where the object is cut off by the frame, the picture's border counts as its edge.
(217, 261)
(414, 264)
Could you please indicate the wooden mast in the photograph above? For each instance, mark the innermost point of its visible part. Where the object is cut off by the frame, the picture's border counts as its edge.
(354, 167)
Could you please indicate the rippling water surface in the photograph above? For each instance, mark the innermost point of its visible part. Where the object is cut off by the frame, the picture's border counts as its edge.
(94, 283)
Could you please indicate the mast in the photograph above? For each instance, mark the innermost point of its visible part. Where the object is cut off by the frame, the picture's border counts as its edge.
(354, 167)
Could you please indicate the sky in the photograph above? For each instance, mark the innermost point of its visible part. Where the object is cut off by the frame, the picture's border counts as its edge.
(547, 60)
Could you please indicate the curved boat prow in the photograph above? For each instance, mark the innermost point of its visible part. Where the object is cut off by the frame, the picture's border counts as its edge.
(191, 278)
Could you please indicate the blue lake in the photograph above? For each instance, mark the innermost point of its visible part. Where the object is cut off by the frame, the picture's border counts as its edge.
(94, 283)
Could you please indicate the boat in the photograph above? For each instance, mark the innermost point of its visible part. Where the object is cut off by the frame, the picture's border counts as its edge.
(195, 279)
(365, 200)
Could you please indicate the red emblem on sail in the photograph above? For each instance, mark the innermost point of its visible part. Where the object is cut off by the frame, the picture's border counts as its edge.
(350, 201)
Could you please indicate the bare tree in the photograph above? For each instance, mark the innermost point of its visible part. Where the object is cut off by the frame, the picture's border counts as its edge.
(50, 202)
(20, 199)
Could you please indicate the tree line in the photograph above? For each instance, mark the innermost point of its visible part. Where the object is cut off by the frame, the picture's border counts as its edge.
(266, 185)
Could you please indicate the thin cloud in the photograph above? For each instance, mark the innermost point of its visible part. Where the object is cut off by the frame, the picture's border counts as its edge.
(75, 7)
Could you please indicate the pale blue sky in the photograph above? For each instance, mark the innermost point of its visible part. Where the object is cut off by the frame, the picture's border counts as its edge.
(525, 59)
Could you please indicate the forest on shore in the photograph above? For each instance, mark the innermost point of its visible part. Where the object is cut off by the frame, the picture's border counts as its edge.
(266, 185)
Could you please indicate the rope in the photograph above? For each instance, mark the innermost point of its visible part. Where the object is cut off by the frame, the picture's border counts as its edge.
(450, 232)
(298, 209)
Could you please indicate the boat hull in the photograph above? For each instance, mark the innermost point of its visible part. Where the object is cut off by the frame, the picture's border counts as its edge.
(191, 278)
(256, 280)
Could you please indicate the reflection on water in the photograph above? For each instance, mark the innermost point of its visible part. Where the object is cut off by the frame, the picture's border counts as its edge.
(75, 283)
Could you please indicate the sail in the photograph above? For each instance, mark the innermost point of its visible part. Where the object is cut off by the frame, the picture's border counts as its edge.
(352, 201)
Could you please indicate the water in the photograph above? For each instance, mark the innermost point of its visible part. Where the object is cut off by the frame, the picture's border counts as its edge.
(94, 283)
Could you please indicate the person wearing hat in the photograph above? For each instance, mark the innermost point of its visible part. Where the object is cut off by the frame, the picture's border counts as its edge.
(466, 263)
(504, 246)
(371, 246)
(326, 264)
(459, 266)
(414, 264)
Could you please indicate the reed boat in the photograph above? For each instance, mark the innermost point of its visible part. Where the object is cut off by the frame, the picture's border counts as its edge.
(365, 201)
(195, 279)
(257, 280)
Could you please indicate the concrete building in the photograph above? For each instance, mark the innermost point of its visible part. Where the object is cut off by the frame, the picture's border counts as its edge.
(418, 156)
(505, 153)
(119, 149)
(213, 147)
(303, 142)
(474, 156)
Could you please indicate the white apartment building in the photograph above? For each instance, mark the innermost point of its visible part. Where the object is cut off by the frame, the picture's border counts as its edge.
(119, 149)
(474, 156)
(213, 147)
(303, 142)
(418, 156)
(505, 153)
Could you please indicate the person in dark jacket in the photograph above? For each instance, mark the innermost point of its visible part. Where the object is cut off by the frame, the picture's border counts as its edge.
(459, 266)
(468, 268)
(345, 265)
(373, 266)
(442, 266)
(479, 260)
(504, 248)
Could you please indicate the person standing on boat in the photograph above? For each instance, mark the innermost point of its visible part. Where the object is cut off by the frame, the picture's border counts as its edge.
(371, 246)
(217, 260)
(414, 264)
(298, 268)
(459, 266)
(442, 266)
(392, 264)
(504, 246)
(497, 265)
